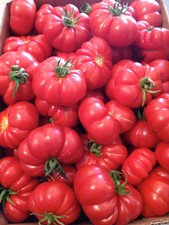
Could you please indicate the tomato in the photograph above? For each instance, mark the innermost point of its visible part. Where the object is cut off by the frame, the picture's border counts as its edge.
(133, 84)
(104, 122)
(16, 69)
(114, 23)
(110, 156)
(57, 145)
(120, 53)
(22, 15)
(16, 122)
(66, 28)
(15, 189)
(138, 165)
(36, 45)
(162, 154)
(60, 115)
(148, 10)
(54, 203)
(56, 82)
(155, 191)
(157, 115)
(103, 197)
(94, 58)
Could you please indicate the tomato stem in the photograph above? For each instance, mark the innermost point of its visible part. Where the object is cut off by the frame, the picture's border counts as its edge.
(49, 218)
(94, 147)
(63, 70)
(118, 9)
(86, 8)
(69, 20)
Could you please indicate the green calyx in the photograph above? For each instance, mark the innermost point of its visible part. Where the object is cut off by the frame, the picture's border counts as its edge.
(118, 9)
(69, 20)
(18, 75)
(120, 188)
(94, 148)
(5, 194)
(63, 70)
(49, 218)
(86, 8)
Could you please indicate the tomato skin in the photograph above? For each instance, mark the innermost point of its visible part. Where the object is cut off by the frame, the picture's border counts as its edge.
(118, 30)
(22, 15)
(9, 76)
(55, 198)
(67, 149)
(147, 10)
(48, 82)
(156, 114)
(90, 185)
(36, 45)
(138, 165)
(155, 191)
(66, 28)
(162, 154)
(94, 58)
(16, 122)
(13, 178)
(129, 81)
(110, 156)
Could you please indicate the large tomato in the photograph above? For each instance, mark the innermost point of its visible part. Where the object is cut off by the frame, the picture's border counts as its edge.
(138, 165)
(16, 69)
(66, 28)
(162, 154)
(110, 156)
(37, 45)
(94, 58)
(155, 191)
(46, 147)
(15, 189)
(113, 22)
(133, 84)
(157, 115)
(16, 122)
(54, 203)
(22, 16)
(104, 122)
(56, 82)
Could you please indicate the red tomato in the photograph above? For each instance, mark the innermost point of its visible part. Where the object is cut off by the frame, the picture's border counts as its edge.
(138, 165)
(56, 82)
(113, 22)
(15, 189)
(133, 84)
(16, 122)
(66, 28)
(148, 10)
(36, 45)
(110, 156)
(16, 69)
(157, 115)
(57, 145)
(54, 203)
(22, 15)
(94, 58)
(162, 154)
(155, 191)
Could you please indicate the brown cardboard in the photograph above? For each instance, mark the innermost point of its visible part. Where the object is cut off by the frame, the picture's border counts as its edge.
(4, 32)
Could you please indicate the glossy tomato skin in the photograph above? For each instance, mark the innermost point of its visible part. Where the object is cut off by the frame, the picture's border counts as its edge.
(37, 45)
(15, 180)
(55, 198)
(131, 83)
(16, 71)
(22, 15)
(55, 142)
(162, 154)
(66, 28)
(118, 30)
(155, 191)
(57, 83)
(156, 113)
(16, 122)
(138, 165)
(94, 187)
(109, 156)
(94, 58)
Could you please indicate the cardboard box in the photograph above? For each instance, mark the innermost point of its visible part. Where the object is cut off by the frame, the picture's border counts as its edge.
(5, 32)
